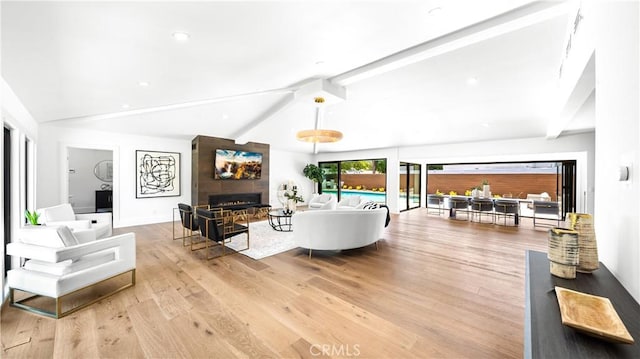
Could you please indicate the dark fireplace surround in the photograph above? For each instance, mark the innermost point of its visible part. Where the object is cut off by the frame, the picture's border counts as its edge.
(205, 189)
(236, 200)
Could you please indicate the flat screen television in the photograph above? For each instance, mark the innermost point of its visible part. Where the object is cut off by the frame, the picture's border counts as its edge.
(237, 165)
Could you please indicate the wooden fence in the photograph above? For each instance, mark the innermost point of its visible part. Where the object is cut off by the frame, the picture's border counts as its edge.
(518, 185)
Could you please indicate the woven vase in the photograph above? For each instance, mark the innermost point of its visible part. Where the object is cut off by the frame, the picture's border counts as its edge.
(587, 245)
(563, 252)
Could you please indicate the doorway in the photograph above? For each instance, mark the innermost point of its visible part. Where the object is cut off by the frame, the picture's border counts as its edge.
(409, 194)
(90, 182)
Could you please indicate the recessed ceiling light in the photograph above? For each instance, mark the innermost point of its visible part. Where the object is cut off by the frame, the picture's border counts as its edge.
(181, 36)
(125, 106)
(472, 81)
(485, 125)
(225, 116)
(143, 83)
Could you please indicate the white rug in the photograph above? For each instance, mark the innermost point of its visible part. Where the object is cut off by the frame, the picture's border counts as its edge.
(264, 241)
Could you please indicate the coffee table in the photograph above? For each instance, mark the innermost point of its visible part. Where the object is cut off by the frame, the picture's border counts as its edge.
(280, 221)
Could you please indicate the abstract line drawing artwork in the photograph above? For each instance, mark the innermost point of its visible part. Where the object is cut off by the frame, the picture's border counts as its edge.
(157, 174)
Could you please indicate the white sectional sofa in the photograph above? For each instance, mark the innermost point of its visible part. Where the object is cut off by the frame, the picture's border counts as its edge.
(338, 229)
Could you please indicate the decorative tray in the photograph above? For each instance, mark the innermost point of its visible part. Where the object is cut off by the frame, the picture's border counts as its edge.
(592, 315)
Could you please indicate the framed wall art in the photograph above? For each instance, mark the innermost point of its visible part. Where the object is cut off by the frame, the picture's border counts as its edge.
(157, 174)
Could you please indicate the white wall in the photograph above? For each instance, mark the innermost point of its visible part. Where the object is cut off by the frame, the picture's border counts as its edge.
(285, 166)
(52, 187)
(82, 180)
(617, 206)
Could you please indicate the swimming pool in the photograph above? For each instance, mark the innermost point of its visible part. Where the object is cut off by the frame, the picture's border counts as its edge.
(378, 197)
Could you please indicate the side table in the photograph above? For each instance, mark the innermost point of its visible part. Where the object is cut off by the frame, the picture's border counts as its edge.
(280, 221)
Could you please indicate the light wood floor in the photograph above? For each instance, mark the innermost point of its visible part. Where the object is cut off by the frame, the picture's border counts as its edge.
(434, 288)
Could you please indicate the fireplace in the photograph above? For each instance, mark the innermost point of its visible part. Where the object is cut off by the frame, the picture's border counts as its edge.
(236, 201)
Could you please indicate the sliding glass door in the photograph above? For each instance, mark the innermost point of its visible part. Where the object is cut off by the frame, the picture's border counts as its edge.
(409, 195)
(364, 178)
(555, 180)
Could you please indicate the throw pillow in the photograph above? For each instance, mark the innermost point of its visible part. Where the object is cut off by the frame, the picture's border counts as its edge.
(370, 205)
(67, 236)
(354, 201)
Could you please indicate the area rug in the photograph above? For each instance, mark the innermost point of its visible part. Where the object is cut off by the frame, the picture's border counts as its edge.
(264, 241)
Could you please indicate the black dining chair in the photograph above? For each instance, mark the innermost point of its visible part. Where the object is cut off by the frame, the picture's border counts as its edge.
(188, 222)
(436, 202)
(507, 208)
(218, 226)
(458, 204)
(480, 207)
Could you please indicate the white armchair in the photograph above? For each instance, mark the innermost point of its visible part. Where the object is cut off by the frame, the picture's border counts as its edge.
(63, 215)
(351, 202)
(323, 201)
(58, 264)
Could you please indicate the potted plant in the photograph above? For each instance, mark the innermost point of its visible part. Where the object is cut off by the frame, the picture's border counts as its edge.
(292, 199)
(314, 173)
(486, 189)
(32, 217)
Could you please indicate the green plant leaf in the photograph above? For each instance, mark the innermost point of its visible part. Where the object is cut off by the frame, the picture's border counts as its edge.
(313, 172)
(32, 217)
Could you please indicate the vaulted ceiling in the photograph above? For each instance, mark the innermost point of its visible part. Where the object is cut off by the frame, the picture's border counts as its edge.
(414, 72)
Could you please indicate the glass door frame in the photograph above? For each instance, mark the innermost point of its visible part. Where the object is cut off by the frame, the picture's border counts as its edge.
(7, 188)
(406, 168)
(338, 178)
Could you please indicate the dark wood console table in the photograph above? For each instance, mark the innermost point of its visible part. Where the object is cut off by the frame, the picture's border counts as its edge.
(544, 334)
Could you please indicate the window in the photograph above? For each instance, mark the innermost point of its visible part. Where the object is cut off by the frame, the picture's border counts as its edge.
(364, 178)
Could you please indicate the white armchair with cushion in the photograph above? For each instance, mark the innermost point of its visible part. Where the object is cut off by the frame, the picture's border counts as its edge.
(58, 264)
(352, 202)
(323, 201)
(63, 215)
